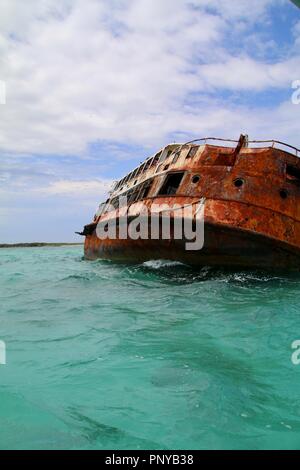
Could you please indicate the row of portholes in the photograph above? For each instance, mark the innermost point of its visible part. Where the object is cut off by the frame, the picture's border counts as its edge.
(239, 182)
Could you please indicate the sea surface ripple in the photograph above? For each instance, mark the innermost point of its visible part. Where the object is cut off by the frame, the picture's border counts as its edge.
(154, 356)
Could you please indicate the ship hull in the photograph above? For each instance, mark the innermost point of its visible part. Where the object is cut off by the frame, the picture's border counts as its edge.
(223, 247)
(252, 206)
(230, 240)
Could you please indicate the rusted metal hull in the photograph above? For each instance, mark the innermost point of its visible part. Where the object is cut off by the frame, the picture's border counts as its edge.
(252, 211)
(225, 245)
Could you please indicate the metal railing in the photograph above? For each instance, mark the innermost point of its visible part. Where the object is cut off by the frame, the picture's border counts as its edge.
(140, 168)
(273, 142)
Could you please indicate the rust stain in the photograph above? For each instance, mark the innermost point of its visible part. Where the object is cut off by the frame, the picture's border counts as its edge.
(252, 213)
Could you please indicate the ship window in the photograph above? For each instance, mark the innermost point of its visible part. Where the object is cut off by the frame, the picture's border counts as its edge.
(293, 174)
(283, 193)
(171, 184)
(196, 179)
(176, 156)
(147, 166)
(238, 183)
(192, 152)
(133, 197)
(145, 190)
(115, 202)
(166, 167)
(140, 169)
(164, 155)
(156, 159)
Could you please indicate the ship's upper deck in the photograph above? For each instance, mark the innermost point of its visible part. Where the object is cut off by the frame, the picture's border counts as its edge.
(238, 170)
(168, 157)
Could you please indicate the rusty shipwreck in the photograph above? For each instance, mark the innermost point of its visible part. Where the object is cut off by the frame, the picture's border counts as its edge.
(252, 204)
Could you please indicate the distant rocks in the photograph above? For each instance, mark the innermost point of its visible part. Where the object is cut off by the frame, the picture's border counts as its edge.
(36, 244)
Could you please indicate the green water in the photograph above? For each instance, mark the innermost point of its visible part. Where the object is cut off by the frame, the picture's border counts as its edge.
(155, 356)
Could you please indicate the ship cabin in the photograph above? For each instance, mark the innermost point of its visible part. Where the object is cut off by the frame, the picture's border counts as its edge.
(199, 168)
(164, 167)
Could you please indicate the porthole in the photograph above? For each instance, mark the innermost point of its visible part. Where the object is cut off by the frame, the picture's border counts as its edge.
(283, 193)
(195, 179)
(238, 183)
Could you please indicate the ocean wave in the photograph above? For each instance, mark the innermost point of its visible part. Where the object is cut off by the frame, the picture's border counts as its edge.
(161, 263)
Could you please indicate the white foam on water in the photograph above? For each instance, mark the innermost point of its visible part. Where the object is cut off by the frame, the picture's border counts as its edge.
(161, 263)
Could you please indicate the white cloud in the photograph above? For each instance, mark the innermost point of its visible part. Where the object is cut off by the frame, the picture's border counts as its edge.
(73, 188)
(238, 9)
(85, 70)
(126, 71)
(244, 73)
(296, 32)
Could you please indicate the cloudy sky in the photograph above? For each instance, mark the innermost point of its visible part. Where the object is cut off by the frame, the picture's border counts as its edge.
(95, 86)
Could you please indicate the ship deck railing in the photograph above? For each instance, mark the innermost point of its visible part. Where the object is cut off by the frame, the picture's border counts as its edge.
(163, 155)
(273, 143)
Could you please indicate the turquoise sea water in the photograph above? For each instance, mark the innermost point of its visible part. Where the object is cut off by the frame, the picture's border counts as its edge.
(155, 356)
